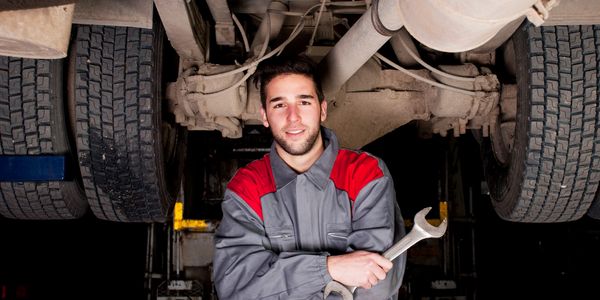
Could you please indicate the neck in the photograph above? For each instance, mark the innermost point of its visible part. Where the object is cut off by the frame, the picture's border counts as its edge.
(301, 163)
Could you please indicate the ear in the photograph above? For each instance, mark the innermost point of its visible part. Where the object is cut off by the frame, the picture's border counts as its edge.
(263, 114)
(323, 110)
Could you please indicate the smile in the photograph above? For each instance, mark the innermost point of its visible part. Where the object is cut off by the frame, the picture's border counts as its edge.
(297, 131)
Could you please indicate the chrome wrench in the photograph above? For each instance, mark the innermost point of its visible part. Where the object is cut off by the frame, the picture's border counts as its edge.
(420, 230)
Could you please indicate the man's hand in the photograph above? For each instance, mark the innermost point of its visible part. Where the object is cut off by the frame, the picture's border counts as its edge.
(358, 268)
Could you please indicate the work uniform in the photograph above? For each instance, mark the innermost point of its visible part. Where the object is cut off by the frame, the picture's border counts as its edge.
(278, 226)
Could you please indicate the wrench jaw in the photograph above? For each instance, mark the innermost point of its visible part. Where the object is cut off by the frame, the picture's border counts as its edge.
(336, 287)
(430, 231)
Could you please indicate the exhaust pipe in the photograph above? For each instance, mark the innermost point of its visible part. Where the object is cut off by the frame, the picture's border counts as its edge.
(449, 26)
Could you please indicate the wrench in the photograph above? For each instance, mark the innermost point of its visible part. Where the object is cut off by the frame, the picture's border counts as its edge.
(421, 230)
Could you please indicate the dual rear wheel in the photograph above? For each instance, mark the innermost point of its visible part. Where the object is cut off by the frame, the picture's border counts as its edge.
(128, 149)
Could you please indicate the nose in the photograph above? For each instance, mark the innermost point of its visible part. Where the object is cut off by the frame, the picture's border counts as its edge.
(293, 114)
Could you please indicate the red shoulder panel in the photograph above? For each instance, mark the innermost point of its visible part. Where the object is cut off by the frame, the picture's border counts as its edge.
(352, 171)
(254, 181)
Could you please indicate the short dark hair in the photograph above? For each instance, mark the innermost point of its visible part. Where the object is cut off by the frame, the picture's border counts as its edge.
(279, 65)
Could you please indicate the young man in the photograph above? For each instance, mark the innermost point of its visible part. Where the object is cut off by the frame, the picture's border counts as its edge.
(308, 212)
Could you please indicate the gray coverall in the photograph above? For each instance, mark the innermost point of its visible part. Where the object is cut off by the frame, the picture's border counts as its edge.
(278, 227)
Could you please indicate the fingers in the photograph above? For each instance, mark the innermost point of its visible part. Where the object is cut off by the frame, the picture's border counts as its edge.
(383, 262)
(359, 268)
(373, 279)
(376, 270)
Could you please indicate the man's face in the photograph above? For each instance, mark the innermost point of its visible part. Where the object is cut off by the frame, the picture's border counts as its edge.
(293, 112)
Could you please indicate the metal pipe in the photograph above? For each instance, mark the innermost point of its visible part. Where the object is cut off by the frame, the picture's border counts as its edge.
(336, 68)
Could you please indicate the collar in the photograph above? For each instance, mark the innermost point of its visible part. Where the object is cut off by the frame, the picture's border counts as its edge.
(318, 173)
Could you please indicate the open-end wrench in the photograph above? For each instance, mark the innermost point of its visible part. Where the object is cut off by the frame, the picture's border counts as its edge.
(420, 230)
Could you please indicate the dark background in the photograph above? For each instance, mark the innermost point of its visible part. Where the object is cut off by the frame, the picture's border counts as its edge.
(487, 258)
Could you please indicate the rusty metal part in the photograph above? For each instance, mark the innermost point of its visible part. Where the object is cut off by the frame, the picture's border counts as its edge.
(420, 230)
(201, 101)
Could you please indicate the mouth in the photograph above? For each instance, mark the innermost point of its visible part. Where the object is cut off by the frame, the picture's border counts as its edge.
(294, 132)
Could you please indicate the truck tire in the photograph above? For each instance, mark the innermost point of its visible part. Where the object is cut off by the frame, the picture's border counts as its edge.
(130, 149)
(553, 169)
(32, 122)
(594, 211)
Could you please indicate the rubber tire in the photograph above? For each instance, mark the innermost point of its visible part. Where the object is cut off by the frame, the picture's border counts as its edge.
(118, 104)
(33, 122)
(553, 171)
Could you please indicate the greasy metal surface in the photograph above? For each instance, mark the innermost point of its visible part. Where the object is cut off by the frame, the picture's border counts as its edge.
(421, 230)
(37, 32)
(130, 13)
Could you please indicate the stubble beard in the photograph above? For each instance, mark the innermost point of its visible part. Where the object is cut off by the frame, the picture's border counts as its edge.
(303, 147)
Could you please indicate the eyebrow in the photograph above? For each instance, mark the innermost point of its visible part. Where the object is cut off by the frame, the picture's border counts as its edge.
(301, 96)
(306, 96)
(275, 99)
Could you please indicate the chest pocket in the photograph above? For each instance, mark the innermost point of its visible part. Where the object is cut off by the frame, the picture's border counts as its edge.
(337, 237)
(281, 238)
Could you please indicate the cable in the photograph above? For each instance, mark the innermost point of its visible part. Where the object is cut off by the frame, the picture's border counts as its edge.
(419, 77)
(242, 32)
(265, 44)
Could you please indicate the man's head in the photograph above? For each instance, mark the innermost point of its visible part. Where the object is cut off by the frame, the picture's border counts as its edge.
(278, 65)
(293, 106)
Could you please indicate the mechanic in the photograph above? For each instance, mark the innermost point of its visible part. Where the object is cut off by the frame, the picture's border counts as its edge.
(308, 212)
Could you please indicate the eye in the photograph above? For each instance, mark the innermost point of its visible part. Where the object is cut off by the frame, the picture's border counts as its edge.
(304, 102)
(278, 105)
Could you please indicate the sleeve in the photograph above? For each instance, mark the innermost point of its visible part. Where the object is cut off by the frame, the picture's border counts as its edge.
(376, 225)
(245, 268)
